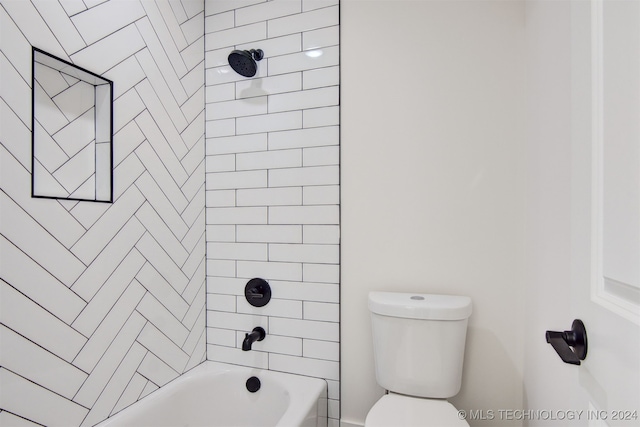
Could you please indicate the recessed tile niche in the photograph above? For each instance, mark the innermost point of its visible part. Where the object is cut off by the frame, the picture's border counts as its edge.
(72, 126)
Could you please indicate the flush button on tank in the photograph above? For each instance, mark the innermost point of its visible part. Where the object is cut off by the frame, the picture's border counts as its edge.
(417, 297)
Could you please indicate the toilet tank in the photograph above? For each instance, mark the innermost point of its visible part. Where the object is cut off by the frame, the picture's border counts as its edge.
(418, 342)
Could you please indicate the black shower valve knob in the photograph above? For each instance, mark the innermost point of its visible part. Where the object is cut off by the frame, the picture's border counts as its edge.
(257, 292)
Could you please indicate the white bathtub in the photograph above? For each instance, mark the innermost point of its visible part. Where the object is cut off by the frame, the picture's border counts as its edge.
(215, 394)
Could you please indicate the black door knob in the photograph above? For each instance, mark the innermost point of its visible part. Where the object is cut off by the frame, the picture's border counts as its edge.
(571, 345)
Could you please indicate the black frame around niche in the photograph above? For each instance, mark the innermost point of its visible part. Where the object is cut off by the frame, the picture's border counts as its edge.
(34, 52)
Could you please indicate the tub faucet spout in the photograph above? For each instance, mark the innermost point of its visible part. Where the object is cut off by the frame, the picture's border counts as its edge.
(257, 334)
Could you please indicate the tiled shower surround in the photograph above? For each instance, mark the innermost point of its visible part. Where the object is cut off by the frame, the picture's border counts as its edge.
(272, 185)
(103, 303)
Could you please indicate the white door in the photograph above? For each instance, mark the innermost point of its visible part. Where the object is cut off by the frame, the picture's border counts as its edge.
(584, 225)
(605, 204)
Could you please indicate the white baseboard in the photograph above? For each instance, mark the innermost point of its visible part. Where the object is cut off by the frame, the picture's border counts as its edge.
(344, 423)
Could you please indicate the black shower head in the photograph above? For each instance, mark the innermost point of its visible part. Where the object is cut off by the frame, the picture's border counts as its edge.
(242, 61)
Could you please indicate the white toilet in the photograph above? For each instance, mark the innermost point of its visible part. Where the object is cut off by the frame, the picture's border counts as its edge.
(418, 344)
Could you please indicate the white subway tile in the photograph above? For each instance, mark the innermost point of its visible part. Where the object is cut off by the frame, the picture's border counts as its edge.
(109, 358)
(162, 319)
(269, 122)
(215, 59)
(269, 160)
(276, 308)
(191, 25)
(237, 321)
(217, 128)
(220, 163)
(237, 35)
(73, 6)
(222, 268)
(301, 138)
(237, 251)
(268, 85)
(131, 393)
(221, 233)
(308, 291)
(37, 284)
(225, 285)
(321, 156)
(276, 46)
(324, 273)
(304, 215)
(317, 175)
(304, 366)
(329, 36)
(220, 198)
(43, 406)
(312, 98)
(321, 254)
(333, 409)
(169, 274)
(161, 276)
(308, 60)
(106, 18)
(217, 93)
(321, 234)
(220, 6)
(316, 117)
(158, 372)
(33, 322)
(149, 387)
(326, 331)
(237, 144)
(321, 195)
(333, 389)
(221, 302)
(325, 350)
(233, 215)
(157, 169)
(44, 368)
(321, 311)
(126, 108)
(270, 271)
(110, 50)
(219, 22)
(304, 21)
(287, 196)
(155, 225)
(237, 108)
(221, 337)
(104, 300)
(270, 233)
(317, 4)
(225, 74)
(328, 76)
(128, 73)
(274, 344)
(167, 60)
(265, 11)
(235, 356)
(232, 180)
(30, 237)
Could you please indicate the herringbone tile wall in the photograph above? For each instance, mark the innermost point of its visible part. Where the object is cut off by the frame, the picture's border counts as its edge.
(103, 303)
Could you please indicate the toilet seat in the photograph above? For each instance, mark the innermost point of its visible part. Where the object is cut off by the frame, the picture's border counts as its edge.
(394, 410)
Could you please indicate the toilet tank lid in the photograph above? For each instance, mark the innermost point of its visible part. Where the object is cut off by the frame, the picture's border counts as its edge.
(420, 306)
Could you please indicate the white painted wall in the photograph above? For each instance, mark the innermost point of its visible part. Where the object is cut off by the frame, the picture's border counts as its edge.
(548, 189)
(431, 119)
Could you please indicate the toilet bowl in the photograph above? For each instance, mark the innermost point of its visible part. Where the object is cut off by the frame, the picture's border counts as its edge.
(406, 411)
(418, 343)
